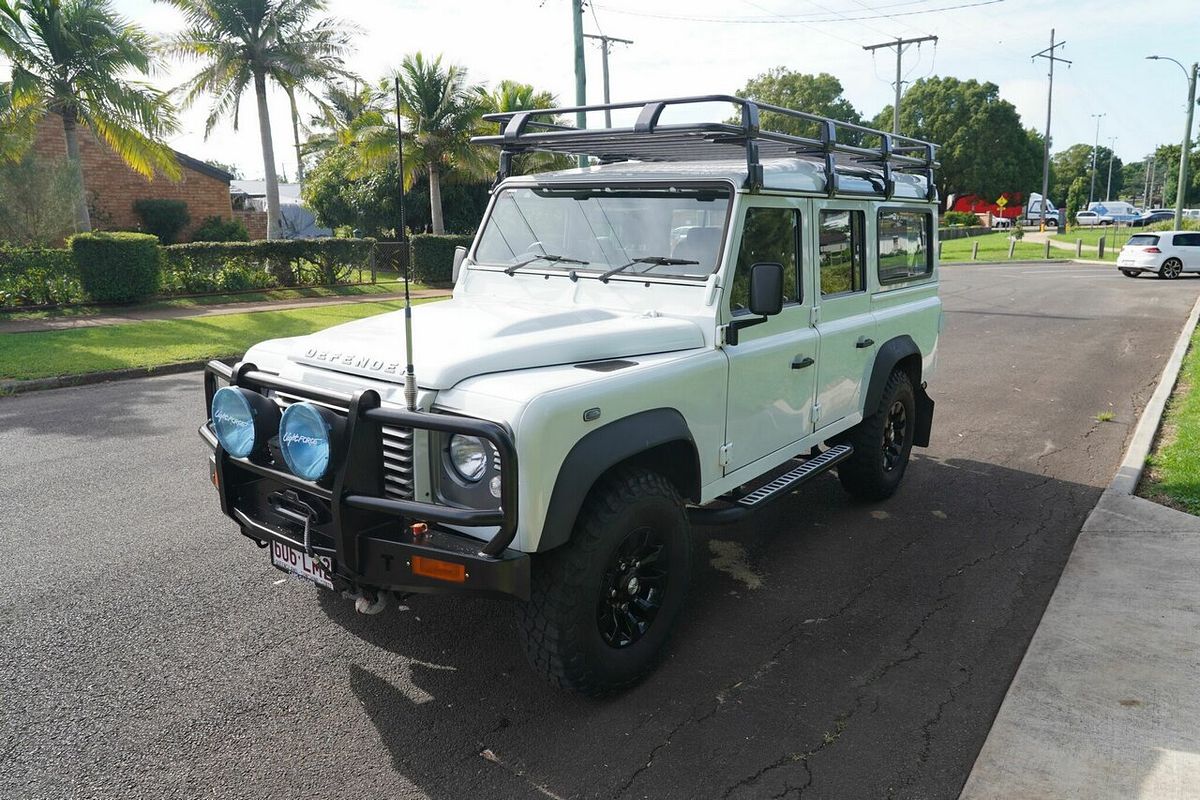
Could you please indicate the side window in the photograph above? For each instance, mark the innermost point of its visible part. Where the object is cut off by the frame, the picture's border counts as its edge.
(769, 234)
(1187, 240)
(841, 251)
(904, 245)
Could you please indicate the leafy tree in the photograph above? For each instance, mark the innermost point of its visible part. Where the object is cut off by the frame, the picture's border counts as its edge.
(817, 94)
(1166, 170)
(1076, 197)
(37, 198)
(1076, 162)
(244, 42)
(221, 165)
(984, 148)
(76, 58)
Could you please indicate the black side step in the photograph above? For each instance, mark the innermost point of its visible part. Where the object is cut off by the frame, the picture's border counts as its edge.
(741, 507)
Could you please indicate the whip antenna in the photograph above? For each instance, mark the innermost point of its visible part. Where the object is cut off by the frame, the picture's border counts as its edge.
(410, 378)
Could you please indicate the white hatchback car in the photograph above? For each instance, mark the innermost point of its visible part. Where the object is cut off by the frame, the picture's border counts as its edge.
(1167, 253)
(1091, 218)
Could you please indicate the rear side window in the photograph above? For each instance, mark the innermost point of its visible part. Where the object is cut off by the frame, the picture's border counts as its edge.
(1142, 241)
(841, 251)
(769, 234)
(1187, 240)
(904, 251)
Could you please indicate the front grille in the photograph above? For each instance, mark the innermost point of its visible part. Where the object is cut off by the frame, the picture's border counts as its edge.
(397, 452)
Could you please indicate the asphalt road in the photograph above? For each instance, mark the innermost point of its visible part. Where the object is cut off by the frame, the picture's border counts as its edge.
(831, 649)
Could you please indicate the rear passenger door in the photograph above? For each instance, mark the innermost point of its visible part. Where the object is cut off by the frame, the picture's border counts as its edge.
(845, 324)
(1187, 249)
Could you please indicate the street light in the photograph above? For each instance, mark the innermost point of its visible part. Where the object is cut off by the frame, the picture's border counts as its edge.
(1187, 135)
(1095, 147)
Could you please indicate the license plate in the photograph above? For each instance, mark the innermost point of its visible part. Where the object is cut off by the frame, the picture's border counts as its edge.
(316, 569)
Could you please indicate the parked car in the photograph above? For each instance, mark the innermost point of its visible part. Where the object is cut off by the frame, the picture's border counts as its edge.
(1152, 218)
(1168, 254)
(592, 390)
(1091, 219)
(1115, 210)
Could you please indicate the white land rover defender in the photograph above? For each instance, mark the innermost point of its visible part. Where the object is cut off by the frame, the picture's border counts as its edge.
(710, 315)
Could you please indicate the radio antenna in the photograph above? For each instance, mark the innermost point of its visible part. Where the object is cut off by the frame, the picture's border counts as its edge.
(410, 378)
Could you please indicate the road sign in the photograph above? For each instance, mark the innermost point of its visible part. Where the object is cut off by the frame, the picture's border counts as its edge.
(1002, 201)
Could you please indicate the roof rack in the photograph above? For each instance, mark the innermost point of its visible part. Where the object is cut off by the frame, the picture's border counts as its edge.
(838, 145)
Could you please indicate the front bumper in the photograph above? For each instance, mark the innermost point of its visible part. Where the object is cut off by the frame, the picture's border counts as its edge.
(369, 538)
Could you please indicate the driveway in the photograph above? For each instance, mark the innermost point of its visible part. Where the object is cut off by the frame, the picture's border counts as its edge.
(831, 649)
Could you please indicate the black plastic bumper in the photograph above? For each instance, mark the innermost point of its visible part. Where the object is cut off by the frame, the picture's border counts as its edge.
(346, 517)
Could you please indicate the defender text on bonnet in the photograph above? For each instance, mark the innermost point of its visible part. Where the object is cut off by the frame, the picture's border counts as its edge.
(710, 315)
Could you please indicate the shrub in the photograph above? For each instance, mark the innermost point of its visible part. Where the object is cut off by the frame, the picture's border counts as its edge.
(37, 276)
(433, 257)
(231, 266)
(163, 218)
(953, 218)
(116, 267)
(215, 229)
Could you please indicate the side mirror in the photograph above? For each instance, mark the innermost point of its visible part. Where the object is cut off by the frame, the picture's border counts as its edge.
(460, 254)
(766, 289)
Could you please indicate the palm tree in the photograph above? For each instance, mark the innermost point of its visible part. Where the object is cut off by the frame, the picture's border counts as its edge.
(244, 42)
(73, 57)
(509, 96)
(339, 111)
(442, 111)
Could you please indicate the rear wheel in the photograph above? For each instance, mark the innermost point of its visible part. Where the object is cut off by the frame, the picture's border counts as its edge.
(882, 443)
(1130, 273)
(603, 606)
(1170, 269)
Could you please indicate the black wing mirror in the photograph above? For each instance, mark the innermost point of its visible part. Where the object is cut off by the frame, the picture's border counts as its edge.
(766, 298)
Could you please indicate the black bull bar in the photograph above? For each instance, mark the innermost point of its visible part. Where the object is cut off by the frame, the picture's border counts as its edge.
(374, 544)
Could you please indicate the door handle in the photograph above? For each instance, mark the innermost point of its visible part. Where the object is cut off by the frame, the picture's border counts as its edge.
(864, 341)
(800, 362)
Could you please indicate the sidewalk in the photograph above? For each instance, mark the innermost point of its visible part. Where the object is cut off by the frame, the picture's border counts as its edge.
(1106, 702)
(123, 316)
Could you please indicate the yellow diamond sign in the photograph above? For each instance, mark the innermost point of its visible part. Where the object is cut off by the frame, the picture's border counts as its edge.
(1002, 201)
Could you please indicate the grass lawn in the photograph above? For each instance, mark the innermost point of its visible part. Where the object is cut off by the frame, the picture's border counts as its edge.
(993, 247)
(1172, 476)
(383, 286)
(154, 343)
(1114, 239)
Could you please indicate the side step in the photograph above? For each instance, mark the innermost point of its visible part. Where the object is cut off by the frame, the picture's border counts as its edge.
(782, 485)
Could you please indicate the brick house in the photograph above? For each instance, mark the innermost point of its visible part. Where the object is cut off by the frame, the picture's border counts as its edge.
(112, 187)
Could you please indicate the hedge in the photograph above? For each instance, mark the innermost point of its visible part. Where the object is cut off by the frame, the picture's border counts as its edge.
(35, 276)
(116, 267)
(230, 266)
(163, 218)
(433, 257)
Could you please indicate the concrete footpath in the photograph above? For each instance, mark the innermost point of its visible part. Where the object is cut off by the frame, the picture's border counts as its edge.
(122, 316)
(1106, 702)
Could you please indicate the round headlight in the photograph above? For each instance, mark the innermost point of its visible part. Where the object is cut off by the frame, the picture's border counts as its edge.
(242, 420)
(469, 457)
(307, 437)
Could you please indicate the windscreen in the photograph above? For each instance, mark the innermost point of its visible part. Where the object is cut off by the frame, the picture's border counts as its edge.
(1142, 241)
(656, 232)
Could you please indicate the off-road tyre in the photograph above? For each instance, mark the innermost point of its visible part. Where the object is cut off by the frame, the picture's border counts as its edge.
(1130, 273)
(561, 626)
(1170, 269)
(872, 472)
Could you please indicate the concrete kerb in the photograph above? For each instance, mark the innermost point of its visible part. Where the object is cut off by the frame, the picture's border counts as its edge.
(88, 378)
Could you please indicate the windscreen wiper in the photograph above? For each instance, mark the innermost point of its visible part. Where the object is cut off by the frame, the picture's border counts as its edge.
(542, 257)
(653, 261)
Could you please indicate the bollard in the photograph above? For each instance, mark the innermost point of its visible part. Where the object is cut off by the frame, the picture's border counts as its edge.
(1079, 248)
(1012, 246)
(1047, 256)
(939, 249)
(1100, 249)
(975, 251)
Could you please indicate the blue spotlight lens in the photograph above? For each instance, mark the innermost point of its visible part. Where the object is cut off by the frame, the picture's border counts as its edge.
(304, 438)
(233, 421)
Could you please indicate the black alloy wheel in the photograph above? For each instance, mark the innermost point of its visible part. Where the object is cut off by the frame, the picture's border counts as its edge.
(632, 589)
(895, 436)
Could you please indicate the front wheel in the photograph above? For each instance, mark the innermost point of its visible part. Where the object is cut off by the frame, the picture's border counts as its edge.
(882, 443)
(603, 606)
(1170, 269)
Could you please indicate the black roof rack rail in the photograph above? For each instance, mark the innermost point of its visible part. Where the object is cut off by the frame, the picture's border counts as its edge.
(840, 146)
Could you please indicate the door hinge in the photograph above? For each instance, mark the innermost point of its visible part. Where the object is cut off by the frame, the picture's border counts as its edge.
(816, 315)
(816, 412)
(725, 454)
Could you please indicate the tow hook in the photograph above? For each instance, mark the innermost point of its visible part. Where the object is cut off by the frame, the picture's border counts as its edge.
(367, 601)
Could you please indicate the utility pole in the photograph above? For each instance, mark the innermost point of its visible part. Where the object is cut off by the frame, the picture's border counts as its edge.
(604, 48)
(900, 46)
(1095, 147)
(1181, 189)
(1150, 193)
(580, 70)
(1049, 55)
(1112, 153)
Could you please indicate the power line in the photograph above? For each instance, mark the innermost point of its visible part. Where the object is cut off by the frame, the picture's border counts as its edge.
(900, 45)
(818, 30)
(791, 18)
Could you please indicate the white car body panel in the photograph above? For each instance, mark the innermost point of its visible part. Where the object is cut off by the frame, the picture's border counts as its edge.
(1181, 245)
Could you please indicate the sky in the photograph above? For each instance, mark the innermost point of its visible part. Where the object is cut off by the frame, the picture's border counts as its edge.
(684, 47)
